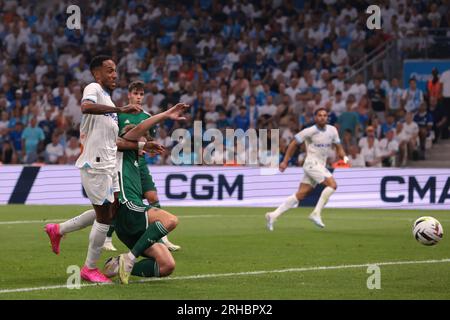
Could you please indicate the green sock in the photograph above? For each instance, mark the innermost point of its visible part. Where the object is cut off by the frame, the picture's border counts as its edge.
(110, 231)
(146, 268)
(154, 232)
(156, 204)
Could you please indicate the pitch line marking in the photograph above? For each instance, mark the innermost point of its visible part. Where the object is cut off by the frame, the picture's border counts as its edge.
(331, 217)
(248, 273)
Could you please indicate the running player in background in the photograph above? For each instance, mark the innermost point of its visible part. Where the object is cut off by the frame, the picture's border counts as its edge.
(319, 139)
(136, 96)
(97, 162)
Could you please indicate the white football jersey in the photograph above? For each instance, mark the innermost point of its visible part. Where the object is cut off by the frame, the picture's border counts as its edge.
(319, 142)
(98, 133)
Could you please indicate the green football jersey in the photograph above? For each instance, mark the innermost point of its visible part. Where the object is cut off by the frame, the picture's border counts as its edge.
(128, 162)
(128, 118)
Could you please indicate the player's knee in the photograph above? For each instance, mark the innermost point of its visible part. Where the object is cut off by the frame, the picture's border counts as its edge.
(166, 268)
(171, 222)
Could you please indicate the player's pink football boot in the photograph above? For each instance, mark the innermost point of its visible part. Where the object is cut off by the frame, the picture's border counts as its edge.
(93, 275)
(52, 230)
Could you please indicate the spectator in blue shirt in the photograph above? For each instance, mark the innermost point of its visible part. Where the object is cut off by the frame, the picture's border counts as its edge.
(424, 120)
(15, 136)
(32, 136)
(242, 120)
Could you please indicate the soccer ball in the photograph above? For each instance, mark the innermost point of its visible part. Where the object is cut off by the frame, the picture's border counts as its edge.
(428, 231)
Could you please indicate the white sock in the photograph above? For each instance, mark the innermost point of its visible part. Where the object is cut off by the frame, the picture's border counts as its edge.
(289, 203)
(96, 240)
(324, 196)
(131, 256)
(85, 219)
(108, 239)
(164, 239)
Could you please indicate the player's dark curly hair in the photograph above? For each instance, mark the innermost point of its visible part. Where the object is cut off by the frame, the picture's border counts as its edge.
(136, 85)
(97, 61)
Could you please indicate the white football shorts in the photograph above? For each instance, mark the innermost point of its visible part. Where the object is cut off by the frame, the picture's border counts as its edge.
(99, 187)
(314, 173)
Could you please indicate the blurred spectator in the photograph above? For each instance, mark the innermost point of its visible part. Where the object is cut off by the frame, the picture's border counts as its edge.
(15, 135)
(348, 120)
(32, 139)
(242, 120)
(54, 151)
(72, 151)
(377, 98)
(407, 138)
(356, 160)
(394, 100)
(434, 87)
(389, 149)
(371, 152)
(424, 120)
(412, 97)
(440, 119)
(8, 153)
(370, 135)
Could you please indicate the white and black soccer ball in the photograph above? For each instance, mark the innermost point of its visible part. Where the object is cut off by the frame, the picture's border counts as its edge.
(428, 231)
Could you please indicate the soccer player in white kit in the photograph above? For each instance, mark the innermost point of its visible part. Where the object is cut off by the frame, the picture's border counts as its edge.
(319, 139)
(97, 163)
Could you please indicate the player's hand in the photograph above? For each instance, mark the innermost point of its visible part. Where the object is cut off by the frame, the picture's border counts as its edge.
(283, 166)
(154, 148)
(177, 111)
(131, 108)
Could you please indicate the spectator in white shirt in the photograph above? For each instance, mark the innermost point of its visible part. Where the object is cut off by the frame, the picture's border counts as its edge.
(358, 89)
(338, 55)
(389, 149)
(268, 108)
(356, 160)
(54, 152)
(72, 151)
(173, 59)
(338, 105)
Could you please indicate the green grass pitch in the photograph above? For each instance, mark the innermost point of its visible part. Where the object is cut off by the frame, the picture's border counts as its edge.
(227, 253)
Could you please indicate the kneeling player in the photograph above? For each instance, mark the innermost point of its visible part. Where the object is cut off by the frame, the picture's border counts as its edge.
(319, 139)
(138, 226)
(135, 96)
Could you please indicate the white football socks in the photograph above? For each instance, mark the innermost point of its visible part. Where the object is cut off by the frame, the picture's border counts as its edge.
(96, 240)
(324, 196)
(84, 220)
(289, 203)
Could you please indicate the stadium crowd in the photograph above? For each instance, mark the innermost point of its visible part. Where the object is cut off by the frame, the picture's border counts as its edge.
(240, 64)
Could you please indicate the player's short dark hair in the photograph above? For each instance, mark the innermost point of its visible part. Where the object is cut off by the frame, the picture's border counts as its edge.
(97, 62)
(136, 85)
(320, 109)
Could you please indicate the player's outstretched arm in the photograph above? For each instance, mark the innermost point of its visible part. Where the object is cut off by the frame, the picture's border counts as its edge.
(289, 153)
(143, 145)
(341, 153)
(89, 107)
(174, 113)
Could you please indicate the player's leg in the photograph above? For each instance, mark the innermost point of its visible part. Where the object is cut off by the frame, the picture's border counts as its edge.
(160, 223)
(102, 191)
(323, 176)
(56, 231)
(292, 201)
(152, 197)
(108, 245)
(158, 262)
